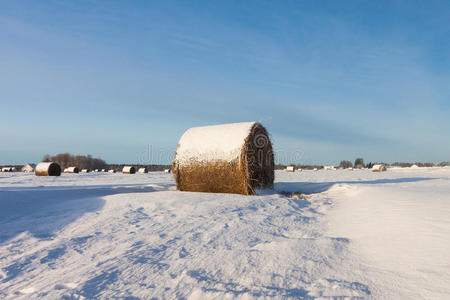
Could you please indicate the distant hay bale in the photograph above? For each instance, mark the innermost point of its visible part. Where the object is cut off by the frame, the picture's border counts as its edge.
(103, 170)
(231, 158)
(142, 170)
(8, 169)
(85, 171)
(379, 168)
(329, 168)
(111, 171)
(28, 168)
(71, 170)
(47, 169)
(129, 170)
(167, 171)
(290, 169)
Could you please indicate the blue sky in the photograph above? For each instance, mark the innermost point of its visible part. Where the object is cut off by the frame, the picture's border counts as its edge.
(123, 80)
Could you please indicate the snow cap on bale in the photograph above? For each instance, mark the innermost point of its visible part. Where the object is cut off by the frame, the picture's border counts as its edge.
(47, 169)
(229, 158)
(129, 170)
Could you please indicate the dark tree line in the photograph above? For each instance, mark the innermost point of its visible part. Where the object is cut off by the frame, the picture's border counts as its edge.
(66, 160)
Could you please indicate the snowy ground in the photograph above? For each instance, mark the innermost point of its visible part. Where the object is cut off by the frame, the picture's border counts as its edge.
(351, 234)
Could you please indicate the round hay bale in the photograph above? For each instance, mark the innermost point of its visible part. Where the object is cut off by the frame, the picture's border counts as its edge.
(111, 171)
(231, 158)
(85, 171)
(379, 168)
(47, 169)
(129, 170)
(290, 169)
(72, 170)
(142, 170)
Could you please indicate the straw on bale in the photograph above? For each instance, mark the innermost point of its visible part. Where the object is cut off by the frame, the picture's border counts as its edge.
(47, 169)
(71, 170)
(230, 158)
(142, 170)
(129, 170)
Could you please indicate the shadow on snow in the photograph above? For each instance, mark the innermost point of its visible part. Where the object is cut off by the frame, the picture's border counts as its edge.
(42, 212)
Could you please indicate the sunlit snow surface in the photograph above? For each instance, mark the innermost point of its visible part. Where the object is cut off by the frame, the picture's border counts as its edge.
(114, 236)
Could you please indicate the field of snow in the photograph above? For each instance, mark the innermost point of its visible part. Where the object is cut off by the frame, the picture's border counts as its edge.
(318, 235)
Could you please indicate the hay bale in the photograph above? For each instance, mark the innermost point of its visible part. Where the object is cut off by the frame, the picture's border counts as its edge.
(167, 171)
(142, 170)
(379, 168)
(103, 170)
(28, 168)
(290, 169)
(129, 170)
(47, 169)
(112, 171)
(230, 158)
(72, 170)
(85, 171)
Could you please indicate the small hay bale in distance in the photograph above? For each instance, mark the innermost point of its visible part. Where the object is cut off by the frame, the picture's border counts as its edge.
(72, 170)
(379, 168)
(129, 170)
(142, 170)
(230, 158)
(47, 169)
(167, 171)
(111, 171)
(85, 171)
(290, 169)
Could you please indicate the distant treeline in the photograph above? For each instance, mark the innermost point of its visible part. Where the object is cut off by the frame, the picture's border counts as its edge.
(66, 160)
(359, 164)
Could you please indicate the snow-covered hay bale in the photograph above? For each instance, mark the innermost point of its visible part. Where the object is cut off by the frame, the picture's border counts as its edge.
(71, 170)
(290, 169)
(142, 170)
(47, 169)
(230, 158)
(167, 171)
(129, 170)
(85, 171)
(111, 171)
(379, 168)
